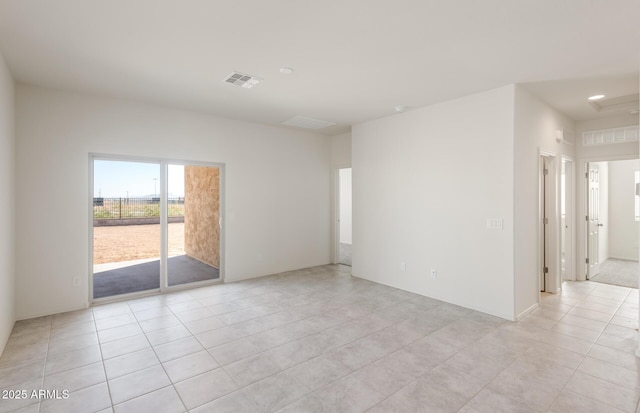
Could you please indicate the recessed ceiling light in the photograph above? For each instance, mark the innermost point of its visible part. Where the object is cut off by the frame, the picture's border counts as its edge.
(596, 97)
(399, 108)
(286, 70)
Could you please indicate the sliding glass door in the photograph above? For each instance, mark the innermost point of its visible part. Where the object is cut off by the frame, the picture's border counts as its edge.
(156, 225)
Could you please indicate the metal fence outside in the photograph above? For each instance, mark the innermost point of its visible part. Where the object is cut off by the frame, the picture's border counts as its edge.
(122, 208)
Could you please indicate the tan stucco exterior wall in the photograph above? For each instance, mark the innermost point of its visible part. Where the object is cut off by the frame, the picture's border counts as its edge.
(202, 213)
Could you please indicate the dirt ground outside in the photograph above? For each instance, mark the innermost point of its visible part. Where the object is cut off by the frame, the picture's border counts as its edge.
(134, 242)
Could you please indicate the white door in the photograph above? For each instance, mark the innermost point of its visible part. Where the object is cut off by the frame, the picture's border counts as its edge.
(593, 220)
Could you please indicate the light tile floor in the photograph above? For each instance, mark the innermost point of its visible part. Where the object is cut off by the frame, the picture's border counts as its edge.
(319, 340)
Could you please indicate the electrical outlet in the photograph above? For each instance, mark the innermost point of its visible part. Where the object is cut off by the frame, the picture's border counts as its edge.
(259, 257)
(76, 281)
(434, 273)
(403, 267)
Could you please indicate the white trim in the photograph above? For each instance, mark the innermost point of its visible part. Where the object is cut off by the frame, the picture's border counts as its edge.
(335, 218)
(609, 158)
(150, 293)
(551, 280)
(528, 311)
(164, 229)
(125, 297)
(47, 313)
(508, 317)
(89, 292)
(222, 199)
(547, 153)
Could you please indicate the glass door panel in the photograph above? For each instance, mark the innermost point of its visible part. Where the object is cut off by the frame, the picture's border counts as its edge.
(126, 227)
(193, 233)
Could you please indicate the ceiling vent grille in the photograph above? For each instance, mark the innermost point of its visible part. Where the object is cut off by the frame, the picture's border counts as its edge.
(609, 136)
(242, 80)
(307, 123)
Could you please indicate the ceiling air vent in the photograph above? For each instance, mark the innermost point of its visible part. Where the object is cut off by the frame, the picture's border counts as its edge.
(307, 123)
(242, 80)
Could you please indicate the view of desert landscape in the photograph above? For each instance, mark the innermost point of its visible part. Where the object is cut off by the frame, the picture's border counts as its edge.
(133, 242)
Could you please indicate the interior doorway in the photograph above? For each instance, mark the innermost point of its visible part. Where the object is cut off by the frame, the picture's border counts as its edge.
(345, 216)
(156, 225)
(567, 220)
(613, 217)
(549, 223)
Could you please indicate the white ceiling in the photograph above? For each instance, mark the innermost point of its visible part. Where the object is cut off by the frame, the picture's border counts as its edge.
(354, 60)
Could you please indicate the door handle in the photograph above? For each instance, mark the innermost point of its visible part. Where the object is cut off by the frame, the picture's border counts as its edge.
(601, 225)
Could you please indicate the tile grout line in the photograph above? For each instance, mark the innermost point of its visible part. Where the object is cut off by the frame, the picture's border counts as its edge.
(293, 340)
(378, 359)
(326, 303)
(46, 356)
(241, 388)
(104, 368)
(171, 383)
(576, 370)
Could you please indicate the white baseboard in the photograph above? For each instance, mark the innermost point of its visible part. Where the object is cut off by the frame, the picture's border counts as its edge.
(623, 258)
(527, 312)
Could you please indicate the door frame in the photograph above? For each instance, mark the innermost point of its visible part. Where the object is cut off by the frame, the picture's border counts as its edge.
(570, 218)
(548, 235)
(164, 229)
(581, 209)
(335, 218)
(339, 210)
(163, 164)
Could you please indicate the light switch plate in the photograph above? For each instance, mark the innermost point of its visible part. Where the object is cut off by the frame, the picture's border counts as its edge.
(494, 223)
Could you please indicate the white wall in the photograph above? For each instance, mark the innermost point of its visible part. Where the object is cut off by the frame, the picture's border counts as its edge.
(424, 183)
(623, 228)
(341, 150)
(535, 129)
(345, 206)
(7, 218)
(270, 211)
